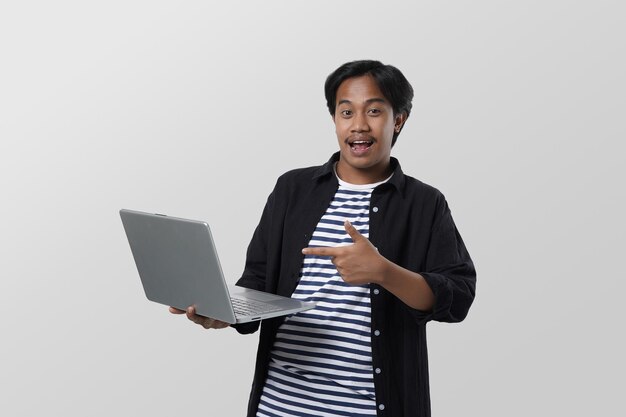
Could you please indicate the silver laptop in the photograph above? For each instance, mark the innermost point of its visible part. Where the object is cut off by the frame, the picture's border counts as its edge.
(178, 266)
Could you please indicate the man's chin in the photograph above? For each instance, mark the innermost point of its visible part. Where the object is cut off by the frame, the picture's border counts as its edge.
(362, 163)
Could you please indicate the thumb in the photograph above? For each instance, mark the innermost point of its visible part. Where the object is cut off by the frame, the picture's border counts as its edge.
(354, 234)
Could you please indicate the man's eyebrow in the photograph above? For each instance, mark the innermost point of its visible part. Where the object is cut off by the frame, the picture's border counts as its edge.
(368, 101)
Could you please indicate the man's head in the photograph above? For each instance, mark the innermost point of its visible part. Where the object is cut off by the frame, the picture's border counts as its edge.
(390, 81)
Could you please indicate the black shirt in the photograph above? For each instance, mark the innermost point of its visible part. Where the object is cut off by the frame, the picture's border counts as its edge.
(411, 225)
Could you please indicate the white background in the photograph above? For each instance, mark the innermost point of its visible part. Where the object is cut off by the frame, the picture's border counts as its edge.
(193, 108)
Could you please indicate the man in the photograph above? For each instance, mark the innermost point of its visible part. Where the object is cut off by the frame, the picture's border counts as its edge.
(377, 251)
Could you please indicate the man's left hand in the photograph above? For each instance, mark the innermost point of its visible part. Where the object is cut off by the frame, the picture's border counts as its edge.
(359, 263)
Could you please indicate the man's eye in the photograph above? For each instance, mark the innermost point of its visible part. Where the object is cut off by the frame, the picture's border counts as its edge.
(346, 113)
(374, 111)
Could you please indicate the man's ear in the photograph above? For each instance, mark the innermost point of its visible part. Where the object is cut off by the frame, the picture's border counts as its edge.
(399, 120)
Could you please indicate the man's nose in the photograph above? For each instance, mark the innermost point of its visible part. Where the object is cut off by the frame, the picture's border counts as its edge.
(359, 123)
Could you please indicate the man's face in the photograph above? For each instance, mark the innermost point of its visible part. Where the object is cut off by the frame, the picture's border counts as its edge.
(365, 124)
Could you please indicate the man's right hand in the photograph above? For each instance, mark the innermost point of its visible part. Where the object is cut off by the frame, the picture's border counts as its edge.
(206, 322)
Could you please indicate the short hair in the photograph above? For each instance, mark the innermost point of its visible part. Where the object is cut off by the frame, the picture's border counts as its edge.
(391, 82)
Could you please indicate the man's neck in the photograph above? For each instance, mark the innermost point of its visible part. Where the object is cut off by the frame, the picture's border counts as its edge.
(369, 175)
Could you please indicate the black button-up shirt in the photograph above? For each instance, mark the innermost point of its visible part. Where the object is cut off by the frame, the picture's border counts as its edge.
(411, 225)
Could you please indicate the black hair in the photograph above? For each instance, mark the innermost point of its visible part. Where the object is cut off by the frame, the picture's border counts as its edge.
(391, 82)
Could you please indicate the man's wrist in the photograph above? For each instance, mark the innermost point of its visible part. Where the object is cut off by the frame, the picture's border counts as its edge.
(385, 271)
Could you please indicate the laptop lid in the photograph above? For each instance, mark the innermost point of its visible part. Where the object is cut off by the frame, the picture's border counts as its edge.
(178, 266)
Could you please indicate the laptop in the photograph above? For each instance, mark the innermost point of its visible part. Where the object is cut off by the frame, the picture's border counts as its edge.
(178, 266)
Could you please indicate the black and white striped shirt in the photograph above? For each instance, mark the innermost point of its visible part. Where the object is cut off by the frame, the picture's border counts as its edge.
(321, 360)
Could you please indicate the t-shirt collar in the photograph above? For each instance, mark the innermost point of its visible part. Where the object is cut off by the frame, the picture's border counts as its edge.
(396, 180)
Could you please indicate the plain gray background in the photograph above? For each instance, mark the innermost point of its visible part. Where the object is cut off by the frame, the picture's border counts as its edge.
(193, 108)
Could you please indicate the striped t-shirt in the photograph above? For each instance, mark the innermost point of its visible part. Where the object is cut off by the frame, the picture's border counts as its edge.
(321, 361)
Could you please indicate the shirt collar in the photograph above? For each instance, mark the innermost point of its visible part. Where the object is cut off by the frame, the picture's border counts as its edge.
(397, 180)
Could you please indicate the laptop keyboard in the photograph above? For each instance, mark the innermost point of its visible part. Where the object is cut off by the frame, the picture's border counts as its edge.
(250, 307)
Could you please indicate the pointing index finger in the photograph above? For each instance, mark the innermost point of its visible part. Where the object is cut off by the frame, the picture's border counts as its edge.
(320, 251)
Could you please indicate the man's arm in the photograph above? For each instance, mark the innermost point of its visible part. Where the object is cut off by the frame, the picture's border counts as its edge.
(361, 263)
(408, 286)
(255, 269)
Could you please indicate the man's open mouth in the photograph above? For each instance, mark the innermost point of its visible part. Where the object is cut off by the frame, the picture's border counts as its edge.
(360, 145)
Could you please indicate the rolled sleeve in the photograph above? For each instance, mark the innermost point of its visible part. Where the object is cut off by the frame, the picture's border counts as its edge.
(450, 272)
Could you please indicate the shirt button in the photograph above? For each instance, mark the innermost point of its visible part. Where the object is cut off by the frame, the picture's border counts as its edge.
(377, 370)
(376, 291)
(381, 407)
(375, 209)
(376, 332)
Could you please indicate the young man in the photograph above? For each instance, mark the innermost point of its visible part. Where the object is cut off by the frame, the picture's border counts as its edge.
(376, 249)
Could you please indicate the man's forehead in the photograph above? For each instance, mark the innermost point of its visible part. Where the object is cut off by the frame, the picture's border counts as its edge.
(359, 89)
